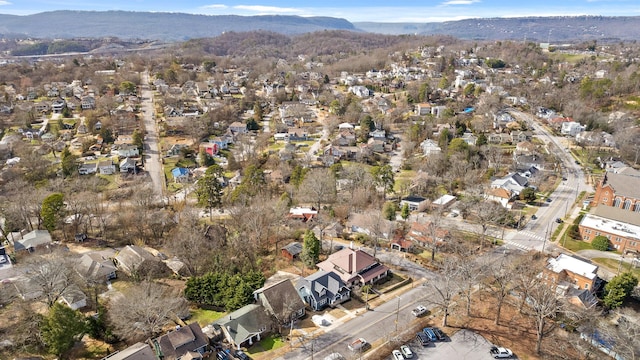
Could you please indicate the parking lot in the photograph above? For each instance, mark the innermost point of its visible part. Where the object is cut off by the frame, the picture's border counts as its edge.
(464, 344)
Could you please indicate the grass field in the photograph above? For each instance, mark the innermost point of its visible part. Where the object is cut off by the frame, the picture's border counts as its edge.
(205, 317)
(574, 245)
(614, 265)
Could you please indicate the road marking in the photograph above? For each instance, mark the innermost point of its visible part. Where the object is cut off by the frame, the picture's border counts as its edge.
(520, 246)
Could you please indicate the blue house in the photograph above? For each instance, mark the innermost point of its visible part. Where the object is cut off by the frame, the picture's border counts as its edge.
(180, 174)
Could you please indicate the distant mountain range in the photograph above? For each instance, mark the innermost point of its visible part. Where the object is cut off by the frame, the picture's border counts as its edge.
(179, 26)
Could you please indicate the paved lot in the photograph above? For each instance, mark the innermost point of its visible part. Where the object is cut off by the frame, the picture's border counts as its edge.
(463, 345)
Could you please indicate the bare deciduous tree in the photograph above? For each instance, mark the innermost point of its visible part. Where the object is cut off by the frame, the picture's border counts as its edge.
(499, 283)
(319, 187)
(543, 307)
(145, 309)
(49, 276)
(445, 287)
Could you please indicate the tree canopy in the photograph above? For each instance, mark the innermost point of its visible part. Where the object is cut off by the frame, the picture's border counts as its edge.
(51, 211)
(310, 249)
(224, 290)
(619, 289)
(61, 328)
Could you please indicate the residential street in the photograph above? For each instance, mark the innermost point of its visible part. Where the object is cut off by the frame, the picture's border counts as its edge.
(152, 158)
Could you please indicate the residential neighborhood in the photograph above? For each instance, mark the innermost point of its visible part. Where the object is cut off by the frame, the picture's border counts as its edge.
(195, 205)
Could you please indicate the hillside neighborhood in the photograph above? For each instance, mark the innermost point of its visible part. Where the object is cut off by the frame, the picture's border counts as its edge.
(184, 205)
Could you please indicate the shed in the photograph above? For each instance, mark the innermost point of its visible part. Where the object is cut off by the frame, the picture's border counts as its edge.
(292, 251)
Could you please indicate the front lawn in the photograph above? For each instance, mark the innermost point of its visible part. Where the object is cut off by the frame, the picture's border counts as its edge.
(614, 265)
(574, 245)
(271, 342)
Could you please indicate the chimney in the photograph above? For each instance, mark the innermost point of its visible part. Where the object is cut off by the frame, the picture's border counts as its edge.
(351, 245)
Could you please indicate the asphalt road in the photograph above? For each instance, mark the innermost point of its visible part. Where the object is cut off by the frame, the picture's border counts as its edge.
(152, 159)
(534, 233)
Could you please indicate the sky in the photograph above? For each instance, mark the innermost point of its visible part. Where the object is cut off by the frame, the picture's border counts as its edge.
(353, 10)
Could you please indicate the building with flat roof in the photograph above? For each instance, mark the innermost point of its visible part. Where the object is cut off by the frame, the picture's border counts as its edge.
(620, 226)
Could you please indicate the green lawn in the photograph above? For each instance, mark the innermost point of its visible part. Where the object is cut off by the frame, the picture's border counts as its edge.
(268, 343)
(205, 317)
(574, 245)
(614, 265)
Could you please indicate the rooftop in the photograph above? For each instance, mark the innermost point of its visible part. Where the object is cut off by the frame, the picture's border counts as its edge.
(565, 262)
(614, 221)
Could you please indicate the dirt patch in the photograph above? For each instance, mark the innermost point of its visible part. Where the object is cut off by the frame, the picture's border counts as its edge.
(515, 330)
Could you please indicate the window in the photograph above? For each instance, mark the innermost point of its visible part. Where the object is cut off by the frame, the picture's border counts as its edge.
(616, 202)
(636, 207)
(604, 200)
(627, 205)
(617, 239)
(586, 286)
(597, 233)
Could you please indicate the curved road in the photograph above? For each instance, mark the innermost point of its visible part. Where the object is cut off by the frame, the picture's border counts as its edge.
(152, 159)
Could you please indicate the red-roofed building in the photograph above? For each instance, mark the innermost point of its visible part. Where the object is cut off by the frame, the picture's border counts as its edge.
(421, 233)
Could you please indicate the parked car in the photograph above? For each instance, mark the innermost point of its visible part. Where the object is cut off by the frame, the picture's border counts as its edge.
(548, 200)
(418, 311)
(359, 344)
(439, 334)
(430, 334)
(533, 217)
(422, 339)
(559, 221)
(500, 352)
(222, 355)
(241, 355)
(406, 352)
(397, 355)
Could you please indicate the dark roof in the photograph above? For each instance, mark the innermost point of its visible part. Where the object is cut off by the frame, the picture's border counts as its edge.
(413, 198)
(179, 342)
(294, 248)
(279, 296)
(521, 180)
(322, 280)
(244, 322)
(627, 185)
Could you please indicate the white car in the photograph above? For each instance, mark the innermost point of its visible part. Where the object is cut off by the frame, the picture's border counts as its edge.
(500, 352)
(406, 352)
(420, 310)
(334, 356)
(397, 355)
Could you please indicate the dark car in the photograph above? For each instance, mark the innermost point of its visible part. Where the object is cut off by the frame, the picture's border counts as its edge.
(430, 334)
(559, 221)
(241, 355)
(439, 334)
(422, 339)
(533, 217)
(548, 200)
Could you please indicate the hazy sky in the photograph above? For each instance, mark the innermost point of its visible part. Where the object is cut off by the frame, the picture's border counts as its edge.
(371, 10)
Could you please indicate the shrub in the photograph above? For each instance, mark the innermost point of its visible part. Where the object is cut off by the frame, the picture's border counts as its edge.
(600, 243)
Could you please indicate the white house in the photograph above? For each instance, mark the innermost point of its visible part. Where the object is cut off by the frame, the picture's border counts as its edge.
(571, 128)
(430, 147)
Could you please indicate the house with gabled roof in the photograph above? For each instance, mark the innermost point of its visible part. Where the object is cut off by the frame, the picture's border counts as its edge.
(245, 325)
(281, 300)
(619, 189)
(137, 351)
(97, 265)
(134, 260)
(32, 240)
(184, 342)
(355, 267)
(322, 289)
(513, 182)
(574, 278)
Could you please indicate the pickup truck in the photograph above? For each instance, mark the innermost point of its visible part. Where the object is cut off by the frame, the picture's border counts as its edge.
(420, 310)
(358, 344)
(500, 352)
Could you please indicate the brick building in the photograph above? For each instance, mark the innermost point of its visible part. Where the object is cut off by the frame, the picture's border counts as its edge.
(620, 226)
(620, 189)
(572, 271)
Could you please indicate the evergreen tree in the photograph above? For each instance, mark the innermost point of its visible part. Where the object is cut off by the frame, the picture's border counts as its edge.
(68, 163)
(619, 289)
(61, 328)
(389, 211)
(405, 212)
(310, 249)
(51, 211)
(209, 188)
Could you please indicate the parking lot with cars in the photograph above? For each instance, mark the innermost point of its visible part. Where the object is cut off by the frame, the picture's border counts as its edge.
(463, 345)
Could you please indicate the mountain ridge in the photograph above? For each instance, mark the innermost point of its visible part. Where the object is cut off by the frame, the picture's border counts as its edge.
(168, 26)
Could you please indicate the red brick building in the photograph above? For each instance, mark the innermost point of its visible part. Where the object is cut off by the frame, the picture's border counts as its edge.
(620, 189)
(620, 226)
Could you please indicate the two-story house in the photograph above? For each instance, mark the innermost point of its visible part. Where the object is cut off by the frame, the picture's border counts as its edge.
(575, 279)
(354, 267)
(322, 289)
